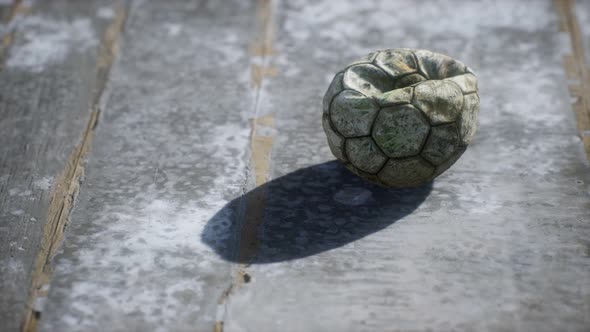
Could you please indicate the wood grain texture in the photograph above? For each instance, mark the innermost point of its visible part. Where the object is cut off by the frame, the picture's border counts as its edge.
(210, 140)
(67, 184)
(44, 98)
(172, 148)
(499, 242)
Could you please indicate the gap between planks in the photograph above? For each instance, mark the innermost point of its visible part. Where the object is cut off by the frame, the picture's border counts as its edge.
(576, 69)
(67, 185)
(261, 143)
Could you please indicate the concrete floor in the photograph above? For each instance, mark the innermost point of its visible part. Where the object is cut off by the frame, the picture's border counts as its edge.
(211, 202)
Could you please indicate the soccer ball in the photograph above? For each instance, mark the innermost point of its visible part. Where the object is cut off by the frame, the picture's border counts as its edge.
(401, 117)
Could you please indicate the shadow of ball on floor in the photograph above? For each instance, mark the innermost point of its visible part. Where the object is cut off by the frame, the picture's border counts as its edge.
(309, 211)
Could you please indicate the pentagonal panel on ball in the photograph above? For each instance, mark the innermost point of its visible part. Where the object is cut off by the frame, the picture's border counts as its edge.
(335, 141)
(363, 153)
(440, 100)
(353, 113)
(400, 131)
(367, 79)
(406, 172)
(441, 144)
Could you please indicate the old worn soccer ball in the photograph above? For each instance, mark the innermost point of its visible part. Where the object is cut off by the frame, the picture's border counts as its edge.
(401, 117)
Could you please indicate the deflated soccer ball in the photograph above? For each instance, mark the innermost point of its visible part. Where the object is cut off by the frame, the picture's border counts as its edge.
(401, 117)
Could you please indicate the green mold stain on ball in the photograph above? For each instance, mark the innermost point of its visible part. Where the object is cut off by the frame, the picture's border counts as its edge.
(401, 117)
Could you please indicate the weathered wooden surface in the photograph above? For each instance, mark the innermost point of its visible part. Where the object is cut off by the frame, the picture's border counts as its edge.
(582, 13)
(210, 100)
(169, 152)
(47, 81)
(576, 67)
(500, 243)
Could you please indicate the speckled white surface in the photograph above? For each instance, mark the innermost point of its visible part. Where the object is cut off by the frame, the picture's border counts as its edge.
(168, 154)
(45, 88)
(49, 41)
(498, 243)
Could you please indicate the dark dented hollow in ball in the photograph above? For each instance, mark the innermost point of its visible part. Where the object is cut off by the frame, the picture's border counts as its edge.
(401, 117)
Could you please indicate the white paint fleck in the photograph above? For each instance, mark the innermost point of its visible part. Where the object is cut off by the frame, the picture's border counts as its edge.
(105, 13)
(173, 29)
(47, 41)
(229, 50)
(19, 193)
(44, 183)
(18, 212)
(13, 267)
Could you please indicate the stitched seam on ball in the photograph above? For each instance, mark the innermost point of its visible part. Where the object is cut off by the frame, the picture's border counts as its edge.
(382, 167)
(422, 112)
(455, 83)
(455, 146)
(359, 168)
(418, 67)
(330, 110)
(354, 64)
(423, 143)
(404, 75)
(428, 162)
(393, 78)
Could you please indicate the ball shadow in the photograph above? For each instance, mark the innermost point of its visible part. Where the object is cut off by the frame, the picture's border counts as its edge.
(307, 212)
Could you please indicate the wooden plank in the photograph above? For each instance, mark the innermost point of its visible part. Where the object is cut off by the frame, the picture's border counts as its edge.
(577, 69)
(497, 243)
(170, 150)
(47, 79)
(582, 12)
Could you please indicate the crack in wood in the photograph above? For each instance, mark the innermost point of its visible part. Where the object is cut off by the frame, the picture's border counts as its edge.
(261, 143)
(68, 182)
(576, 69)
